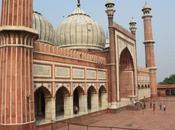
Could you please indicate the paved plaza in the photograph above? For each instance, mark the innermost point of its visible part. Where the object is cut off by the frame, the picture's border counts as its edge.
(145, 119)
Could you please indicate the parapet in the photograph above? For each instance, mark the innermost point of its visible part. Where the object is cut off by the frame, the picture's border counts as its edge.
(73, 54)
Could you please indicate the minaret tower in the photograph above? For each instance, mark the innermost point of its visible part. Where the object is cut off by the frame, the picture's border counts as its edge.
(16, 61)
(149, 48)
(133, 27)
(113, 72)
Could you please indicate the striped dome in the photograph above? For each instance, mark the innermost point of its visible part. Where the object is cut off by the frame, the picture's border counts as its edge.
(44, 28)
(79, 31)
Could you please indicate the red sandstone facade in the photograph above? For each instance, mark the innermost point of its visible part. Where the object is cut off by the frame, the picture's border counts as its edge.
(20, 81)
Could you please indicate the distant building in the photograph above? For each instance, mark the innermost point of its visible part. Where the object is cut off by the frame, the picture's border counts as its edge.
(51, 75)
(166, 89)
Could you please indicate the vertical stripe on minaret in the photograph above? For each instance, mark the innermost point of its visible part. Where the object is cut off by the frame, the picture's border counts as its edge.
(149, 48)
(16, 61)
(16, 13)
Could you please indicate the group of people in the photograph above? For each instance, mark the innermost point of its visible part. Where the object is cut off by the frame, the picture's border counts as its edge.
(161, 106)
(153, 106)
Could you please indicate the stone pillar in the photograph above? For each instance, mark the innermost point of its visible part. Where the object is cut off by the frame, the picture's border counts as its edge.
(83, 104)
(16, 65)
(68, 106)
(94, 102)
(104, 97)
(112, 50)
(149, 49)
(50, 112)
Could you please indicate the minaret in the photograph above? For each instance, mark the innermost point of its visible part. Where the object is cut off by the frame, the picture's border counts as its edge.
(16, 61)
(133, 30)
(149, 48)
(112, 49)
(133, 27)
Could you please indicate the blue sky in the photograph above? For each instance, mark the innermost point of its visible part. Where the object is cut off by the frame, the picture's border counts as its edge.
(163, 24)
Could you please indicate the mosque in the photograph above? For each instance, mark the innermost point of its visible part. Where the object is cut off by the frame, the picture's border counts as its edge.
(49, 74)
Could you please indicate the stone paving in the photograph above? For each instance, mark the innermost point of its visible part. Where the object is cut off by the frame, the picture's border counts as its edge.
(145, 119)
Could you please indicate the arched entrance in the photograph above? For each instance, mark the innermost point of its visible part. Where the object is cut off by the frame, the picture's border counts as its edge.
(170, 92)
(126, 77)
(40, 96)
(78, 100)
(91, 97)
(61, 95)
(102, 97)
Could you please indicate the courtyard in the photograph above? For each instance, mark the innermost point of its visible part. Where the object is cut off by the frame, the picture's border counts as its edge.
(130, 119)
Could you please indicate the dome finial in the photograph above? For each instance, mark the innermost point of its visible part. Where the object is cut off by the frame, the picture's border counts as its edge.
(78, 3)
(146, 2)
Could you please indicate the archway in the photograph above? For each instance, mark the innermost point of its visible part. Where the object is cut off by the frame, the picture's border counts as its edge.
(138, 86)
(61, 95)
(126, 77)
(91, 97)
(168, 92)
(78, 100)
(102, 97)
(40, 96)
(173, 92)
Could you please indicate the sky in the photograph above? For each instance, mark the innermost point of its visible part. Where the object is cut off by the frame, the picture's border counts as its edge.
(163, 24)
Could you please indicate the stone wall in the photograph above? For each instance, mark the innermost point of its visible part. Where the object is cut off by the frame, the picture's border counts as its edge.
(144, 90)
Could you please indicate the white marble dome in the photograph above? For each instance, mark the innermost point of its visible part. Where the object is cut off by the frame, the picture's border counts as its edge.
(80, 31)
(44, 28)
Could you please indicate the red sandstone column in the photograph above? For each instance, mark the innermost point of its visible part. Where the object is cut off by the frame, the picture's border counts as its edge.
(16, 61)
(113, 72)
(149, 48)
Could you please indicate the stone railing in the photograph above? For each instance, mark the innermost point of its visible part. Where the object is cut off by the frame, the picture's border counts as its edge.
(74, 54)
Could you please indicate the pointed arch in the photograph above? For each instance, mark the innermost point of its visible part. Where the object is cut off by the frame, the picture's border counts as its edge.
(78, 99)
(139, 86)
(126, 59)
(102, 96)
(90, 93)
(126, 74)
(40, 96)
(61, 95)
(44, 88)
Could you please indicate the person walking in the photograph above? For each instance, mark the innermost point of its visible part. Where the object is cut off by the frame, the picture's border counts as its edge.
(151, 104)
(164, 108)
(160, 106)
(154, 107)
(144, 105)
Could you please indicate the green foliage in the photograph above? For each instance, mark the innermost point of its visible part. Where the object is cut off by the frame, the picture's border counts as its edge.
(169, 80)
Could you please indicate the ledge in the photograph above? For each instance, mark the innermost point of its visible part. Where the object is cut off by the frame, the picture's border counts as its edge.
(18, 28)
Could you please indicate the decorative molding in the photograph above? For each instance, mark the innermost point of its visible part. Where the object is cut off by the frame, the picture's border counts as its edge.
(88, 85)
(41, 70)
(78, 73)
(101, 75)
(48, 86)
(62, 72)
(59, 85)
(75, 85)
(91, 74)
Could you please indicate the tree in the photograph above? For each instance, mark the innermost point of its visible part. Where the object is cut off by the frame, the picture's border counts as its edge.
(169, 80)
